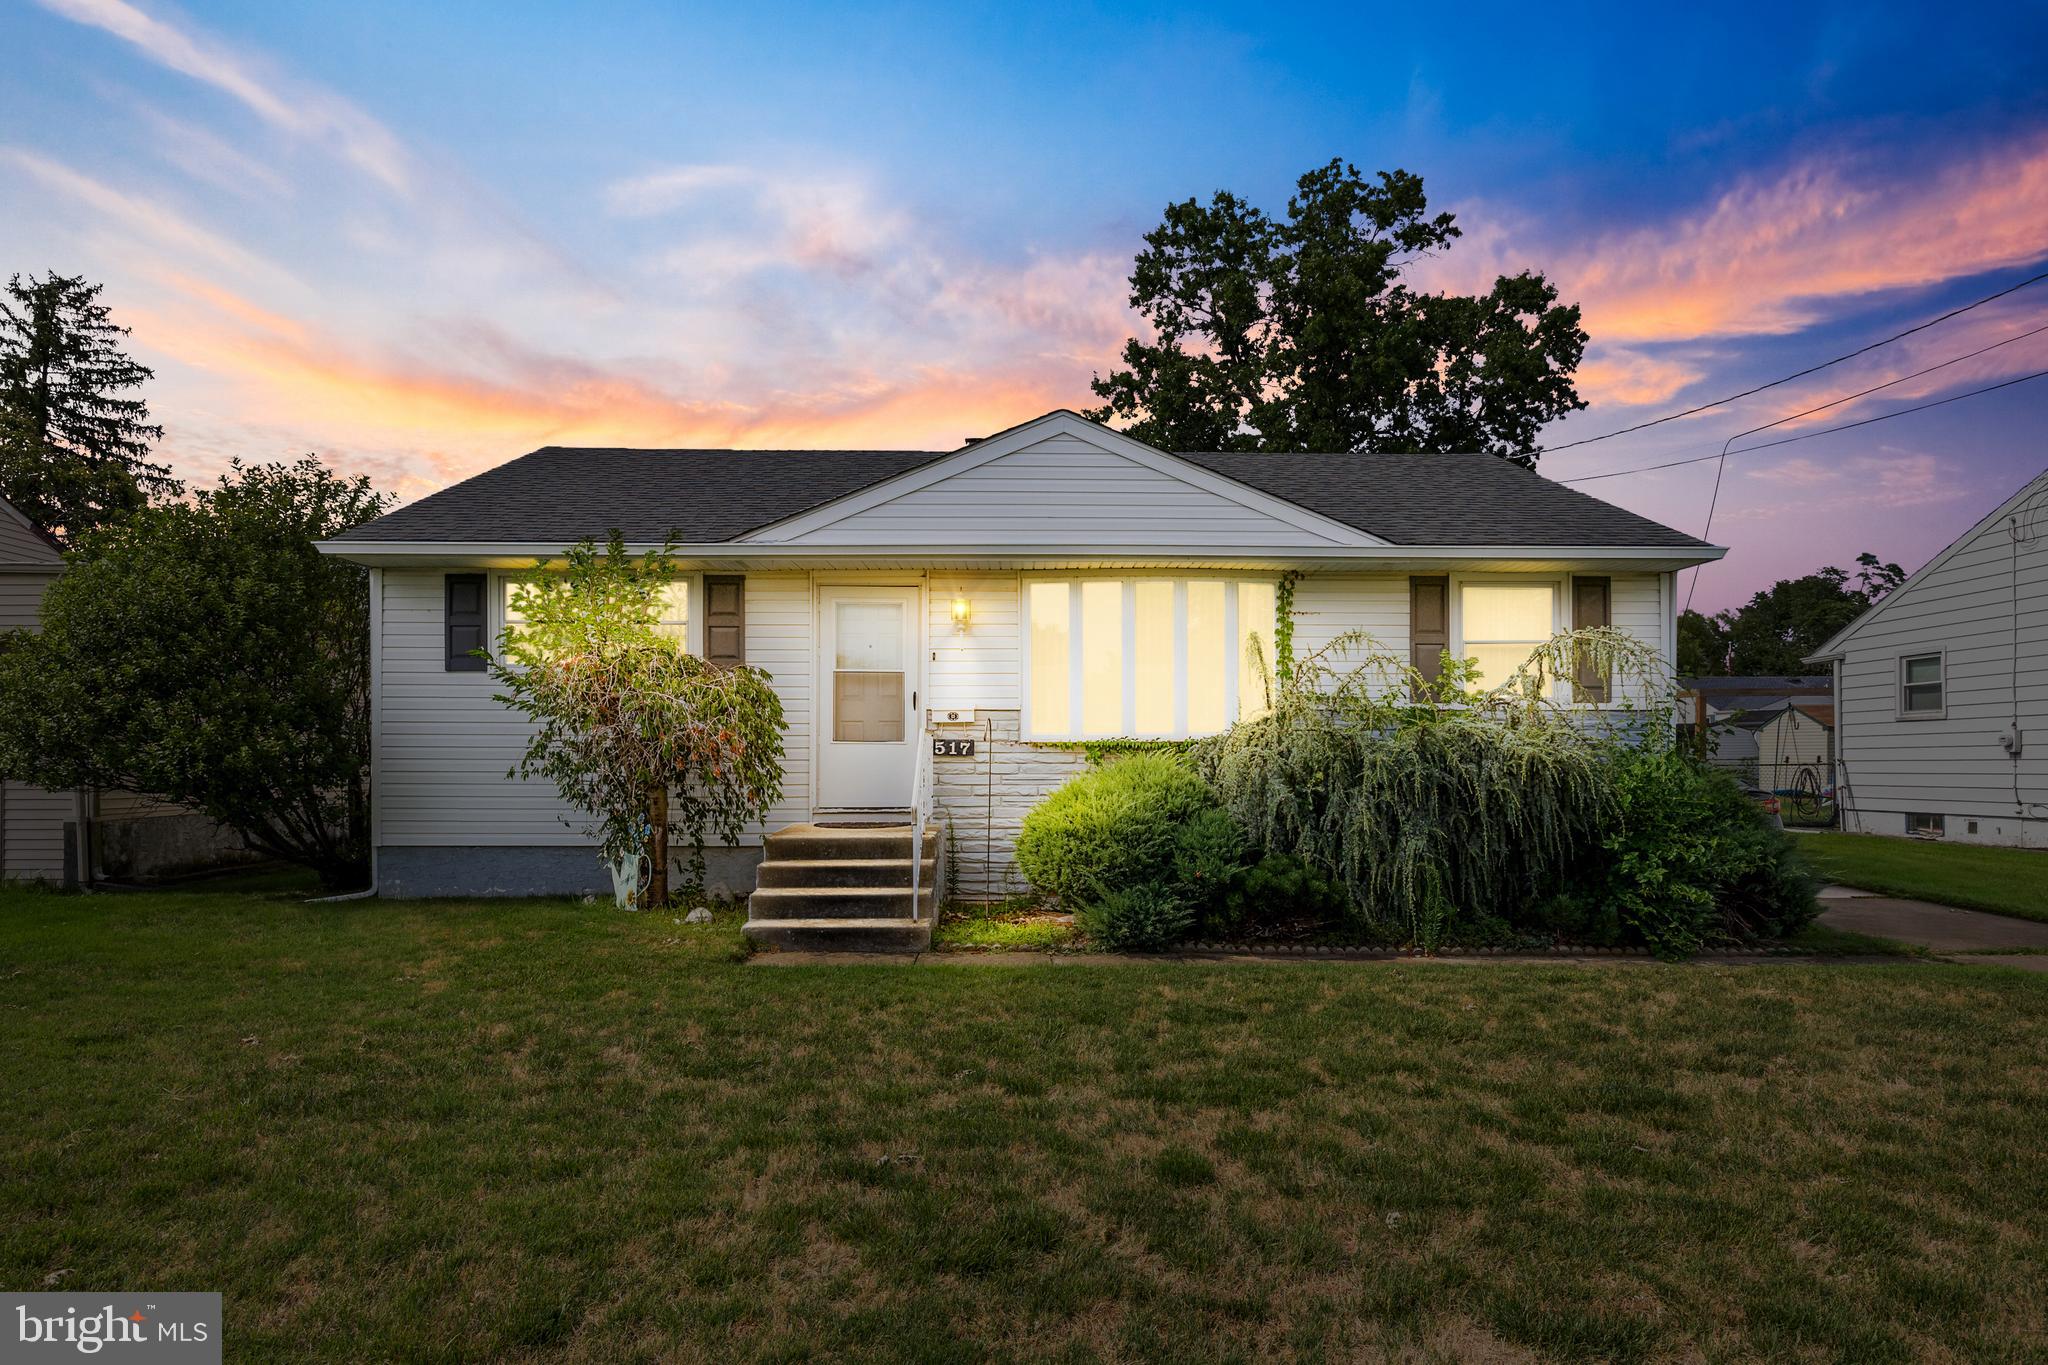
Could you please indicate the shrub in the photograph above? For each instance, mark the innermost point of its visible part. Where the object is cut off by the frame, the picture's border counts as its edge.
(1277, 889)
(1208, 858)
(1144, 917)
(1419, 814)
(1112, 828)
(1691, 861)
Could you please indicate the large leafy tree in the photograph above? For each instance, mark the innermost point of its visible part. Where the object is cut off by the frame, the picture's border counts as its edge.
(205, 652)
(1306, 334)
(74, 448)
(1772, 633)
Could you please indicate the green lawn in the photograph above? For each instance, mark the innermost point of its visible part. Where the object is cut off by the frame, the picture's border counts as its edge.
(2008, 881)
(525, 1131)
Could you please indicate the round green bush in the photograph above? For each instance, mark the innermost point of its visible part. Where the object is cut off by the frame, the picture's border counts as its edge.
(1112, 828)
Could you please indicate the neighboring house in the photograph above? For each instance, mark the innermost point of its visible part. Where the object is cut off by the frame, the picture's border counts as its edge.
(1738, 707)
(1055, 583)
(33, 822)
(41, 832)
(1941, 706)
(1796, 744)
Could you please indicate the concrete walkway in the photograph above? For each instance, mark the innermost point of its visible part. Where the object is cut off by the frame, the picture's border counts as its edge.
(1954, 934)
(1360, 959)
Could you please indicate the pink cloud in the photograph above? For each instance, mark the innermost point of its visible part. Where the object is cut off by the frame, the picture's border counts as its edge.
(1768, 256)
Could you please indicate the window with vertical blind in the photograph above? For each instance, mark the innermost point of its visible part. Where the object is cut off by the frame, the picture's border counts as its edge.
(1148, 658)
(1502, 623)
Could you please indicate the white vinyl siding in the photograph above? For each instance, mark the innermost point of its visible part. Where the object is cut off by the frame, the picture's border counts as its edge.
(1983, 607)
(31, 819)
(445, 743)
(20, 545)
(1062, 491)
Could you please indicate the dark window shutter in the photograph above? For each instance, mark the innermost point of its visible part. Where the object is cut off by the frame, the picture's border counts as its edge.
(467, 621)
(1429, 625)
(1592, 605)
(725, 619)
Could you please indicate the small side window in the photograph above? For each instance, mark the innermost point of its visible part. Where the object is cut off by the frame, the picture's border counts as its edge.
(1927, 826)
(1920, 692)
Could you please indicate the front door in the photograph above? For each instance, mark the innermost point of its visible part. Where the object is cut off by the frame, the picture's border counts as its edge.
(869, 649)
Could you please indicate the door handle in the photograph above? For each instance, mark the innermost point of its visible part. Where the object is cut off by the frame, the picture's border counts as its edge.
(913, 699)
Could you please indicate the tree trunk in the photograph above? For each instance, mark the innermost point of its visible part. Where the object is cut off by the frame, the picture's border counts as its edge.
(657, 845)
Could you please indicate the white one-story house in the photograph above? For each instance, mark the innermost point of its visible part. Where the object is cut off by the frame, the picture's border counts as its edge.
(999, 604)
(1941, 690)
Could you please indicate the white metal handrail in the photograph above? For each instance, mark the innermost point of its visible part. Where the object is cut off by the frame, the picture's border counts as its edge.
(920, 814)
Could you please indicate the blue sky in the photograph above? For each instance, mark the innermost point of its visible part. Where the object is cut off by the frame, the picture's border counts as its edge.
(422, 239)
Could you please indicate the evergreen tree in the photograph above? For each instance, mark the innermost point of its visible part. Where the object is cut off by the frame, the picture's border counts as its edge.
(74, 452)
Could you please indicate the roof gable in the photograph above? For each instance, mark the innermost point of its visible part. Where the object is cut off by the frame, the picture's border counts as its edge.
(22, 544)
(2033, 488)
(1062, 481)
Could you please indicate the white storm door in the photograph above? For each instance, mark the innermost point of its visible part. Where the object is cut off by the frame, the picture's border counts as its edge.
(869, 649)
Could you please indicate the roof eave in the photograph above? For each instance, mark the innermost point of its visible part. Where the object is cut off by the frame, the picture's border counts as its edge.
(1663, 557)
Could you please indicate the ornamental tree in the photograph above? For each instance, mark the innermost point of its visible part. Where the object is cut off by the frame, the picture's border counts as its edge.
(635, 732)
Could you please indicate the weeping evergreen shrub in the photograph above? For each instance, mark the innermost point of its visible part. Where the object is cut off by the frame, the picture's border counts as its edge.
(1427, 800)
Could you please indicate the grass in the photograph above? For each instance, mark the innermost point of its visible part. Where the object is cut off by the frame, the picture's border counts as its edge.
(1016, 926)
(2005, 881)
(540, 1131)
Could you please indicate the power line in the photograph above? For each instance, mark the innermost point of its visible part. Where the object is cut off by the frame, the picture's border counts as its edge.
(1809, 435)
(1714, 501)
(1799, 374)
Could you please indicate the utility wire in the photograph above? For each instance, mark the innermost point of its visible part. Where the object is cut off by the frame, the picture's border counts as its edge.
(1722, 468)
(1809, 435)
(1800, 374)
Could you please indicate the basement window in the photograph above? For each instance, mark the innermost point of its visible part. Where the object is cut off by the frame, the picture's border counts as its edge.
(1927, 826)
(1145, 658)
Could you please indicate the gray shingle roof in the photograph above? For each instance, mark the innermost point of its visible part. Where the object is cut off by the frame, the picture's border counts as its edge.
(561, 494)
(564, 494)
(1443, 499)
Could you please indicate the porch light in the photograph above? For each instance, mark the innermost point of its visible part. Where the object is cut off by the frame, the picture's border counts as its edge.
(961, 612)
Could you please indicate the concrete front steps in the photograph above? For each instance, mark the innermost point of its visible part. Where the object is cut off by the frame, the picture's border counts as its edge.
(827, 888)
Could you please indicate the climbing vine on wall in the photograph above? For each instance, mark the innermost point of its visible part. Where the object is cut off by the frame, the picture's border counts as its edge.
(1283, 628)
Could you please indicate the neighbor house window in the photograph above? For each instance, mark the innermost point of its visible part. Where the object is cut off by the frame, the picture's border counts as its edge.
(1502, 624)
(1155, 658)
(1920, 685)
(674, 621)
(1932, 825)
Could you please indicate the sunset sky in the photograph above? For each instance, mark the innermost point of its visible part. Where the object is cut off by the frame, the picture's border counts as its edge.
(420, 239)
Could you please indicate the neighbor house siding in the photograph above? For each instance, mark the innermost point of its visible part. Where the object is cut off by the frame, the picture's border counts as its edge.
(1985, 609)
(31, 820)
(1060, 490)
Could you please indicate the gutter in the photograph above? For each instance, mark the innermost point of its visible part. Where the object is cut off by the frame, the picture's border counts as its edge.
(387, 551)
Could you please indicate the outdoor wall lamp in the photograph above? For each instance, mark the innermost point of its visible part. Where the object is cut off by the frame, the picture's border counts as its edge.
(961, 612)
